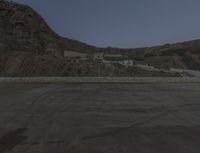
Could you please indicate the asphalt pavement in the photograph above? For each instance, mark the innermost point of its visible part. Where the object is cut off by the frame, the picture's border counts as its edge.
(100, 118)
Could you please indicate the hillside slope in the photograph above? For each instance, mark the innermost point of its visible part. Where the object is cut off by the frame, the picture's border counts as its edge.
(184, 55)
(22, 29)
(29, 47)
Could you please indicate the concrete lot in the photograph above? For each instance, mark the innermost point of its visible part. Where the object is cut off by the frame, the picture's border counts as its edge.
(100, 118)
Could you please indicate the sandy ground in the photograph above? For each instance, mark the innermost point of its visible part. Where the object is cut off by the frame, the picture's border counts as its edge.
(100, 118)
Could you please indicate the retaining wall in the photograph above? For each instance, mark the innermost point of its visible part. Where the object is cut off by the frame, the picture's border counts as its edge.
(100, 80)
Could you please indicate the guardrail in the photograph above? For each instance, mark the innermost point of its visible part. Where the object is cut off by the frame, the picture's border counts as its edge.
(99, 79)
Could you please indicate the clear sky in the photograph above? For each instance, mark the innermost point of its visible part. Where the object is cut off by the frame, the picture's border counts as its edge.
(122, 23)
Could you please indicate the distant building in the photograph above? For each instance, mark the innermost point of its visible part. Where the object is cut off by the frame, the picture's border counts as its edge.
(83, 56)
(75, 55)
(118, 59)
(127, 62)
(99, 56)
(113, 56)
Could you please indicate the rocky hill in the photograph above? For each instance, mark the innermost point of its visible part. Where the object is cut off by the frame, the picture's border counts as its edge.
(29, 47)
(185, 55)
(22, 29)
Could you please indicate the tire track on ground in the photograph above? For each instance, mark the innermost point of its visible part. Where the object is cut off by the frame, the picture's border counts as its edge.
(114, 132)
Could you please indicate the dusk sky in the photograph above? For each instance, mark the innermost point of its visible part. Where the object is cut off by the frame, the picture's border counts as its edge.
(122, 23)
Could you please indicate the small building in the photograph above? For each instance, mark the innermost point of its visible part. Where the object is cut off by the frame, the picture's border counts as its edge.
(83, 56)
(99, 56)
(75, 55)
(118, 59)
(113, 56)
(127, 62)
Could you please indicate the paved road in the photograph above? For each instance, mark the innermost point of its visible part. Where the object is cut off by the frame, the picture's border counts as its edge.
(100, 118)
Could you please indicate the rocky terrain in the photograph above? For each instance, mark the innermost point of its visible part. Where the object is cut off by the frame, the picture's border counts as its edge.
(29, 47)
(22, 29)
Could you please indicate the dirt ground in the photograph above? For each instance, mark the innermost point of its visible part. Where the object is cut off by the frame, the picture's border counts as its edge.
(100, 118)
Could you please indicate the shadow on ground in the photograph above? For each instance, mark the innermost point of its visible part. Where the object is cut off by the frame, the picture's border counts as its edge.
(12, 139)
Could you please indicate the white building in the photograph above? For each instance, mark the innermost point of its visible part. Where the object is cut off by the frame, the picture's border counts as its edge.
(122, 62)
(127, 62)
(83, 56)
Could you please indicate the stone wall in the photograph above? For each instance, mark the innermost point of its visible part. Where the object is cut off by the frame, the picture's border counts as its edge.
(100, 80)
